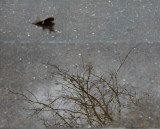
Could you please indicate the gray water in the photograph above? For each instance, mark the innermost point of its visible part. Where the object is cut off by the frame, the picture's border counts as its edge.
(81, 21)
(100, 31)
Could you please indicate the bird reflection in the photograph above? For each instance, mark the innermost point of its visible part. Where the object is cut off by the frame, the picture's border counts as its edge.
(46, 24)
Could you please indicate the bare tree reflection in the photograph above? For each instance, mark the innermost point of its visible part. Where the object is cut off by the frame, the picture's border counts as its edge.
(84, 98)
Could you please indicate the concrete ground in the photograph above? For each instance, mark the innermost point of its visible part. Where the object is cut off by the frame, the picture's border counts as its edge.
(98, 30)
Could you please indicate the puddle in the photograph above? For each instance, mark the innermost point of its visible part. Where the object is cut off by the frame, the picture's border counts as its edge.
(96, 29)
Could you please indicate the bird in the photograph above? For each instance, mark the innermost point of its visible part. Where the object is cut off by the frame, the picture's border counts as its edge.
(43, 21)
(46, 23)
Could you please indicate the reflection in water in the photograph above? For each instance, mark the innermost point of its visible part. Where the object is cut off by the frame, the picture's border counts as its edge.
(45, 24)
(82, 97)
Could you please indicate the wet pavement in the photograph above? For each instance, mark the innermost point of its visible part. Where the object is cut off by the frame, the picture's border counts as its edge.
(99, 31)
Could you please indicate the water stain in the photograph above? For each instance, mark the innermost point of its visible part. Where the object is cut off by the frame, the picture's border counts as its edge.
(46, 24)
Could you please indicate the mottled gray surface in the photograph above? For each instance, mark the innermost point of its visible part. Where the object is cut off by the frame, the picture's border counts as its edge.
(98, 30)
(81, 21)
(22, 67)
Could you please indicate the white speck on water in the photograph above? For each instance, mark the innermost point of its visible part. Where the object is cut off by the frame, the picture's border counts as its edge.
(93, 14)
(22, 47)
(89, 126)
(28, 34)
(20, 59)
(93, 33)
(59, 32)
(110, 2)
(76, 66)
(128, 3)
(99, 26)
(107, 89)
(17, 71)
(150, 118)
(33, 78)
(115, 42)
(122, 11)
(76, 37)
(140, 116)
(18, 36)
(155, 63)
(45, 66)
(123, 81)
(80, 54)
(136, 14)
(144, 7)
(29, 62)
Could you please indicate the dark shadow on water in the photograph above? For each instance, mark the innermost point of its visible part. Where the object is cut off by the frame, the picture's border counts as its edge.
(46, 25)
